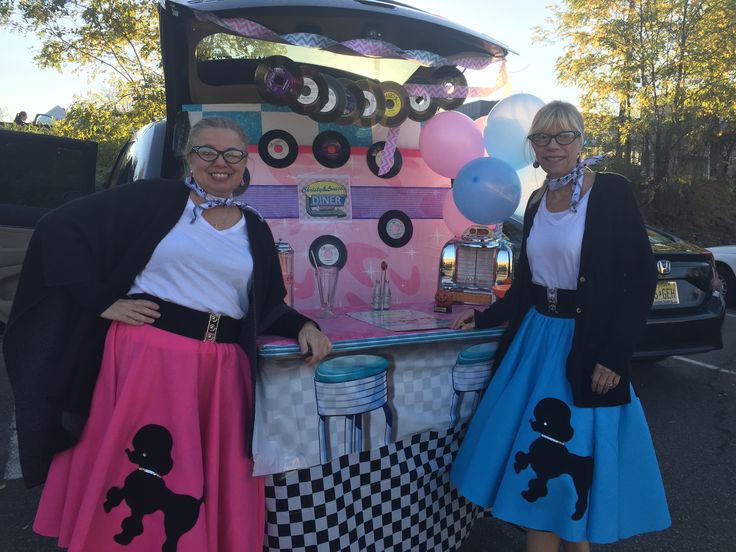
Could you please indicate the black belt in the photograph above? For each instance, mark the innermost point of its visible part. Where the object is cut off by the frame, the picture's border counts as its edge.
(203, 326)
(555, 302)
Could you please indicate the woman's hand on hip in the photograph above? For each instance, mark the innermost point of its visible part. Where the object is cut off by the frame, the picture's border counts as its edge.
(312, 339)
(464, 321)
(603, 380)
(135, 312)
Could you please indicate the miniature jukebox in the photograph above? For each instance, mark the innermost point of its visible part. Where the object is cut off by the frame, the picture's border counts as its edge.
(472, 266)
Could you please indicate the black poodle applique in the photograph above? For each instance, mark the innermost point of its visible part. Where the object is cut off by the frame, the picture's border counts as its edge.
(145, 491)
(549, 458)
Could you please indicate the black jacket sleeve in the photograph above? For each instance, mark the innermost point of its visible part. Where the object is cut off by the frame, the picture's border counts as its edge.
(634, 254)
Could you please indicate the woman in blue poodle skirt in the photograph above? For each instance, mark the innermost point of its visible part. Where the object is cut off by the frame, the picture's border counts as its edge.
(559, 444)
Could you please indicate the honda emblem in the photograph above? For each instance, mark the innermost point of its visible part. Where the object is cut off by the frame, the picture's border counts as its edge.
(664, 266)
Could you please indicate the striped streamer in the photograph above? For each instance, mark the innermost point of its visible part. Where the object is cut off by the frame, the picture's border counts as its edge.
(387, 156)
(362, 46)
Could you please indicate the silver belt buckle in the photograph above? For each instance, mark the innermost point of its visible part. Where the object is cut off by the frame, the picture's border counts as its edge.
(552, 299)
(212, 324)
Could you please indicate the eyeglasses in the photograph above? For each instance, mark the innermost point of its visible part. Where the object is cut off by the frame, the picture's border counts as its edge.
(231, 156)
(564, 138)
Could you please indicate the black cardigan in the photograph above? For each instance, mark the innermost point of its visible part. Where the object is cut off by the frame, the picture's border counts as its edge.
(616, 283)
(82, 258)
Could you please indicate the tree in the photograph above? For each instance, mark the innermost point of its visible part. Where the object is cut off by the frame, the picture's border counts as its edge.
(660, 73)
(115, 40)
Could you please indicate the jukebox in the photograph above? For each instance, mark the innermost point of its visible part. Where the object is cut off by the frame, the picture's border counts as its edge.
(477, 267)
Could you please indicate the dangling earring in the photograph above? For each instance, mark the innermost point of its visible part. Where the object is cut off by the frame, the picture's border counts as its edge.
(535, 164)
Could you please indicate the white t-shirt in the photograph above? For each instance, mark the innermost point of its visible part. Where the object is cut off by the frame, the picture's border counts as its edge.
(200, 267)
(554, 245)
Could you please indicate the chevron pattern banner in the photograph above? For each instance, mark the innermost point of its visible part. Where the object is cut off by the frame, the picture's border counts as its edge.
(362, 46)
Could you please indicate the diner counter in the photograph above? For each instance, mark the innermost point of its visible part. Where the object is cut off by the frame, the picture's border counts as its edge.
(349, 334)
(419, 383)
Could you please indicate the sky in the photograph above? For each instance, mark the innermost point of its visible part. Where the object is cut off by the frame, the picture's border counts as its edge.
(26, 87)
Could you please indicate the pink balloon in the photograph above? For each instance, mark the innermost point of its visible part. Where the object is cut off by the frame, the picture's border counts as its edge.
(448, 141)
(480, 123)
(454, 219)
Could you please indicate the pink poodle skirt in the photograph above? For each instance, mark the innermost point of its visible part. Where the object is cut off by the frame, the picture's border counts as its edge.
(161, 464)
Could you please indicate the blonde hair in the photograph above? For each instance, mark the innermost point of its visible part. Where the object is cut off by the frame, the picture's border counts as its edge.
(213, 122)
(555, 114)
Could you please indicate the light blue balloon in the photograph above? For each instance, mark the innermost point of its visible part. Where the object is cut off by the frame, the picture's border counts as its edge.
(507, 127)
(487, 190)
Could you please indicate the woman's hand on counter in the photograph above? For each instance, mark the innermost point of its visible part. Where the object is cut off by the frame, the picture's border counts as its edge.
(312, 339)
(464, 321)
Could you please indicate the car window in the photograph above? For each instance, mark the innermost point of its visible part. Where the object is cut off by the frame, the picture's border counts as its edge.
(658, 237)
(122, 171)
(40, 173)
(221, 46)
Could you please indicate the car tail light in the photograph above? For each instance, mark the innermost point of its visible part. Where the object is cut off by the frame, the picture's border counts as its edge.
(711, 261)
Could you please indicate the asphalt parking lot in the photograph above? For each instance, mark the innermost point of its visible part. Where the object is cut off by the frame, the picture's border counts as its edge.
(690, 403)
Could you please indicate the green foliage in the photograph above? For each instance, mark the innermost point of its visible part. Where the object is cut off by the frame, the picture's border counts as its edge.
(659, 88)
(662, 69)
(115, 40)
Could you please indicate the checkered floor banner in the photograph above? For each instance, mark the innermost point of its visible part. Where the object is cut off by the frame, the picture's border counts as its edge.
(395, 498)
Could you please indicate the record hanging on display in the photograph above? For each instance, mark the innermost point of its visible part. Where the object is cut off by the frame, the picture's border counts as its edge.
(314, 93)
(279, 80)
(375, 104)
(450, 78)
(328, 250)
(395, 228)
(373, 159)
(335, 105)
(278, 148)
(354, 103)
(397, 104)
(422, 106)
(331, 149)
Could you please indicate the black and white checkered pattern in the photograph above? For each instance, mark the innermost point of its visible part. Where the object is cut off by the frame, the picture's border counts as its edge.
(395, 498)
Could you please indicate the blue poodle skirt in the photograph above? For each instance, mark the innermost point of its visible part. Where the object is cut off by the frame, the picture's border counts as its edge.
(595, 464)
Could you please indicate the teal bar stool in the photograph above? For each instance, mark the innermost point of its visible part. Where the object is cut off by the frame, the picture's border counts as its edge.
(471, 374)
(351, 386)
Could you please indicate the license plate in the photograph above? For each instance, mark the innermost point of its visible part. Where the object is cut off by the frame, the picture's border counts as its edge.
(666, 294)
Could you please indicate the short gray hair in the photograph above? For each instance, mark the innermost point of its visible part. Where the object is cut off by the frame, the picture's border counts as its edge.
(213, 122)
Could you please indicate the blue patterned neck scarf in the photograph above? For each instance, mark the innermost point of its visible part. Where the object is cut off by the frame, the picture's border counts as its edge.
(576, 177)
(211, 201)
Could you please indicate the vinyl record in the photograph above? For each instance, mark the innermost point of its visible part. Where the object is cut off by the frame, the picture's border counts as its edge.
(397, 104)
(450, 77)
(395, 228)
(354, 103)
(375, 103)
(331, 149)
(314, 93)
(328, 250)
(279, 80)
(423, 106)
(278, 148)
(373, 159)
(335, 104)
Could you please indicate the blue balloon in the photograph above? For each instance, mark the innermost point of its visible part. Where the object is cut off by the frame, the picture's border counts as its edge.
(487, 190)
(507, 127)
